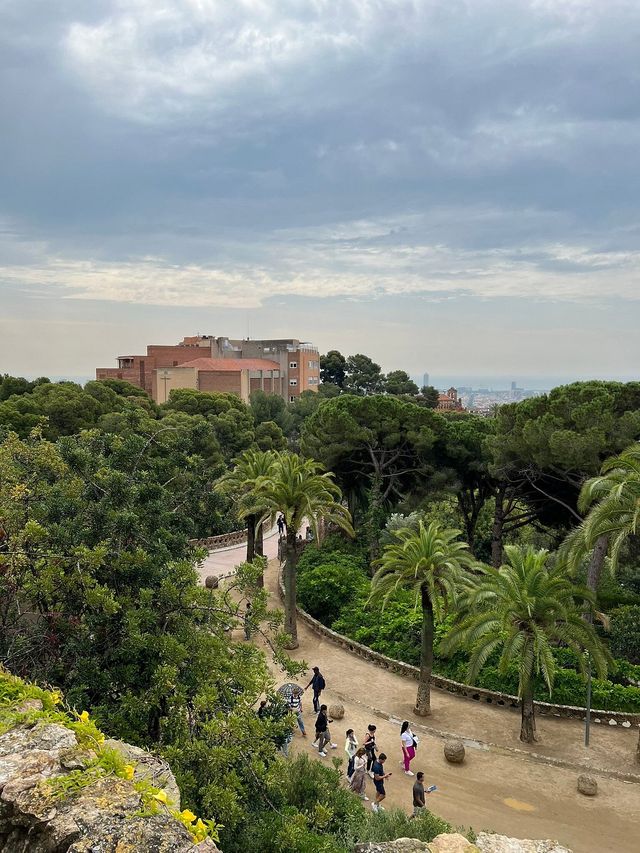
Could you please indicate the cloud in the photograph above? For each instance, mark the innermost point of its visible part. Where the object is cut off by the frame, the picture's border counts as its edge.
(351, 260)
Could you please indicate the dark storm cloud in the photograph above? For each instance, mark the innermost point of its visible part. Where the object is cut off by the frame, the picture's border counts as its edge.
(344, 148)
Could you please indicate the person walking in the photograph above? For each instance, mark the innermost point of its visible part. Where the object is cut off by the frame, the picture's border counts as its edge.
(280, 523)
(369, 744)
(350, 747)
(262, 710)
(358, 782)
(418, 795)
(248, 613)
(295, 706)
(408, 743)
(379, 777)
(318, 684)
(323, 735)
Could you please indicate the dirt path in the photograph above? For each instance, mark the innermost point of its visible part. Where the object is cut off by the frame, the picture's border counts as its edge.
(497, 788)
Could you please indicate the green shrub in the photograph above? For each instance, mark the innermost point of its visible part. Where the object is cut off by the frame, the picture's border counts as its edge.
(387, 826)
(334, 546)
(625, 633)
(327, 587)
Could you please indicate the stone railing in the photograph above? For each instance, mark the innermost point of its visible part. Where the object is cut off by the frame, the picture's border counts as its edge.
(224, 540)
(479, 694)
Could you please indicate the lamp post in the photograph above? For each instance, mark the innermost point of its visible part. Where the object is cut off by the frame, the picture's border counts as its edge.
(587, 719)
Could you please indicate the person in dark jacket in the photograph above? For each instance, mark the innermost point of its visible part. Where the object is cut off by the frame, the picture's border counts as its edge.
(323, 735)
(318, 684)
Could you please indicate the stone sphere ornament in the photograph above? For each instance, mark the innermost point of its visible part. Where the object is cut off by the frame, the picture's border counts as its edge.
(454, 751)
(587, 785)
(336, 712)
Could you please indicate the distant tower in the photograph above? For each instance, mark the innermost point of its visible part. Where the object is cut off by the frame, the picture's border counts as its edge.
(425, 380)
(513, 386)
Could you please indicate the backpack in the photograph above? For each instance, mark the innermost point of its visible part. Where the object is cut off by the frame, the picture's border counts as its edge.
(320, 683)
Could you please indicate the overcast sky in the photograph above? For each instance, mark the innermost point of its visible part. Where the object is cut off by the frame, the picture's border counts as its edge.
(446, 185)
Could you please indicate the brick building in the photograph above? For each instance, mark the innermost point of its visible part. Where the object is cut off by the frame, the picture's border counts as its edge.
(449, 401)
(283, 366)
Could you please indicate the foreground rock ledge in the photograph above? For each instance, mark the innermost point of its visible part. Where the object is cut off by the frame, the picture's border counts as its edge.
(100, 817)
(456, 843)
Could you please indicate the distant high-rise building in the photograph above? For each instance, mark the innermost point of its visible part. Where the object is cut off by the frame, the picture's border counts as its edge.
(514, 386)
(425, 380)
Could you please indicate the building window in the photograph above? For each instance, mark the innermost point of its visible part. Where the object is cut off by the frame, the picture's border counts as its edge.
(313, 380)
(292, 399)
(293, 365)
(293, 382)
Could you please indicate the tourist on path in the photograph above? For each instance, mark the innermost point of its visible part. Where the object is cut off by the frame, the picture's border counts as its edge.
(408, 742)
(418, 795)
(248, 613)
(323, 735)
(369, 744)
(318, 684)
(358, 782)
(295, 706)
(350, 747)
(379, 777)
(281, 525)
(262, 710)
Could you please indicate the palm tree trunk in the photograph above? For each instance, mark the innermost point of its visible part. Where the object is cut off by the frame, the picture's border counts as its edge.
(597, 562)
(259, 549)
(251, 538)
(290, 579)
(528, 725)
(498, 526)
(423, 700)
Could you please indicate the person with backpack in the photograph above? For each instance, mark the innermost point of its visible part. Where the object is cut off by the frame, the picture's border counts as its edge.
(369, 744)
(318, 684)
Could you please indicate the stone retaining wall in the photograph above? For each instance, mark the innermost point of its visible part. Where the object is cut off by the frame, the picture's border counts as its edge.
(224, 540)
(479, 694)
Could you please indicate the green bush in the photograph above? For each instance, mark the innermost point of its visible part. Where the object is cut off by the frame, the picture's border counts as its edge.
(387, 826)
(333, 546)
(327, 587)
(625, 633)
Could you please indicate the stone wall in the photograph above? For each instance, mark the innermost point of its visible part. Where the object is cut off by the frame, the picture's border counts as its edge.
(478, 694)
(225, 540)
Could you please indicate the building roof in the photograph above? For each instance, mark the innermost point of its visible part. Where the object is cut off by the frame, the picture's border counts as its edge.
(231, 364)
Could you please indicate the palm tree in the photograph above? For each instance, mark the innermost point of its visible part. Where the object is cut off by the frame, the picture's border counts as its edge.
(522, 609)
(430, 562)
(613, 504)
(239, 484)
(299, 490)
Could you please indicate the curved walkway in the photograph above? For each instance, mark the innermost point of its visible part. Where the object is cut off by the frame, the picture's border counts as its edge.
(503, 786)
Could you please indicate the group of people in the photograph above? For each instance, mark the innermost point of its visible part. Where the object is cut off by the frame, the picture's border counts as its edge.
(363, 761)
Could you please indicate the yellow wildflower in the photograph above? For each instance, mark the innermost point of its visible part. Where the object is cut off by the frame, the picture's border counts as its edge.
(56, 697)
(161, 797)
(187, 816)
(128, 771)
(84, 717)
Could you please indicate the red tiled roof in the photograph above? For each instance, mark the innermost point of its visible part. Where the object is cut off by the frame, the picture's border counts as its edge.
(231, 364)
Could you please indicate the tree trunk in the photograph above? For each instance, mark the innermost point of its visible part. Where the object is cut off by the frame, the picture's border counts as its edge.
(375, 520)
(290, 563)
(423, 700)
(498, 527)
(259, 549)
(251, 538)
(597, 562)
(528, 725)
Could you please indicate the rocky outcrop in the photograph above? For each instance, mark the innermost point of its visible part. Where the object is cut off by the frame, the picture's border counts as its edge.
(46, 808)
(148, 767)
(455, 843)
